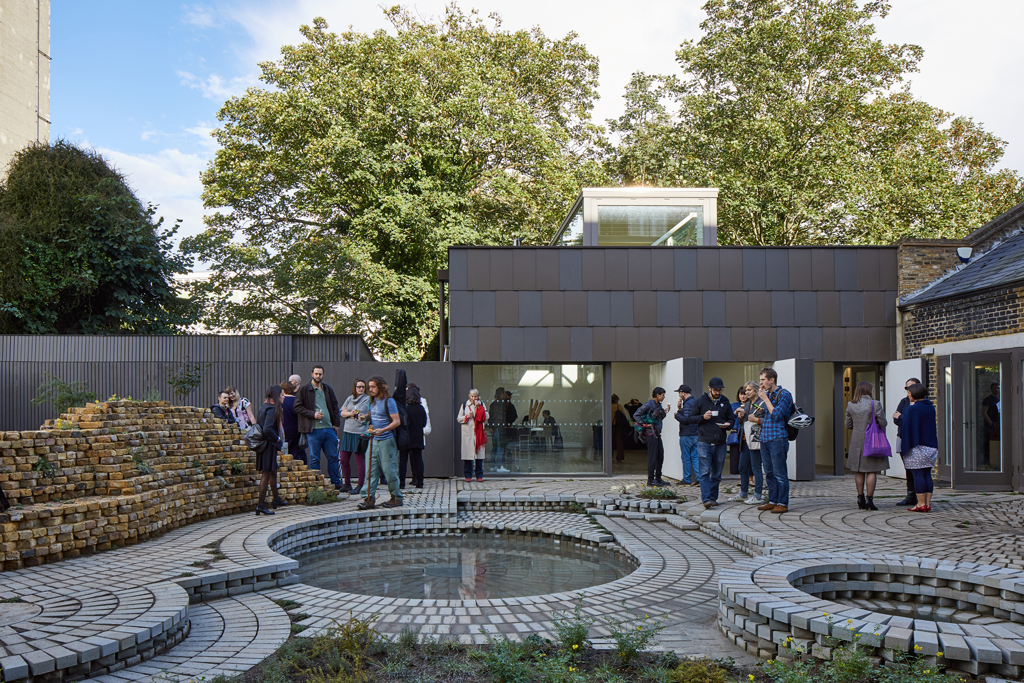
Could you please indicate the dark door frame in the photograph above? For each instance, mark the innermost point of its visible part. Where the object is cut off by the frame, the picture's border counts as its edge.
(983, 481)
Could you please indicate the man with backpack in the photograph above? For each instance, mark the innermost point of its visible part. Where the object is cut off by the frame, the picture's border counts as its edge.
(778, 404)
(687, 434)
(649, 418)
(318, 417)
(713, 416)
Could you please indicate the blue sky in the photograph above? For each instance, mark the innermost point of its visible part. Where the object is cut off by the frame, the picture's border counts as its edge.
(142, 81)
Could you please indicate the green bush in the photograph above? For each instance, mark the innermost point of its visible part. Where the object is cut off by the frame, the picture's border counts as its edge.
(504, 661)
(653, 492)
(318, 496)
(700, 671)
(61, 395)
(573, 632)
(632, 636)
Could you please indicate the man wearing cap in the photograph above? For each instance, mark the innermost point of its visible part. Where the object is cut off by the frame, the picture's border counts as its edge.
(687, 434)
(653, 413)
(712, 413)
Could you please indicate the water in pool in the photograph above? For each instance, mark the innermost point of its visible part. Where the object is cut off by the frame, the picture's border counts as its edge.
(469, 567)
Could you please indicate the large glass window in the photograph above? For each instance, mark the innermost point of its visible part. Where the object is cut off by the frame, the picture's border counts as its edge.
(543, 418)
(648, 226)
(572, 236)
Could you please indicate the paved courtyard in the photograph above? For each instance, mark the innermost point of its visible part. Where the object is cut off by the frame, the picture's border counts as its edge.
(202, 600)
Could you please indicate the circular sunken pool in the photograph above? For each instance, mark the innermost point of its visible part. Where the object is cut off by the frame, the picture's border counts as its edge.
(461, 567)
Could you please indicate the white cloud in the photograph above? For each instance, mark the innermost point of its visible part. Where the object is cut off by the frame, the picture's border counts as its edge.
(199, 15)
(214, 87)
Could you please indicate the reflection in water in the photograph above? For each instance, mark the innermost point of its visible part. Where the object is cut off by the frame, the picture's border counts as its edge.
(469, 567)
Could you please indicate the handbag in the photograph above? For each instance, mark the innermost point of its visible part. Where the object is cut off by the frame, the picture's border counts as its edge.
(733, 439)
(876, 445)
(303, 441)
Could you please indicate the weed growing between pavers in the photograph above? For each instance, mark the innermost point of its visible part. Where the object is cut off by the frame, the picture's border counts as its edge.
(659, 493)
(318, 496)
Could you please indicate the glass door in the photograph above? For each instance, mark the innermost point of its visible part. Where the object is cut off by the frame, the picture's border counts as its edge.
(977, 429)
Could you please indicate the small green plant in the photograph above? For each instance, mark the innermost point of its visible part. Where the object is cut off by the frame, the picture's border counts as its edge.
(700, 671)
(237, 466)
(578, 508)
(298, 628)
(7, 601)
(559, 668)
(143, 466)
(45, 468)
(187, 377)
(185, 575)
(505, 663)
(62, 396)
(287, 604)
(653, 492)
(407, 639)
(152, 395)
(63, 424)
(573, 632)
(632, 636)
(318, 496)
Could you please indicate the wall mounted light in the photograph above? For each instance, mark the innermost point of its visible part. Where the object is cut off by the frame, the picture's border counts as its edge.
(964, 254)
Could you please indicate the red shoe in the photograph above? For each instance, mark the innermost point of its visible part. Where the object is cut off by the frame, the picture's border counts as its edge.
(927, 508)
(918, 508)
(469, 479)
(479, 478)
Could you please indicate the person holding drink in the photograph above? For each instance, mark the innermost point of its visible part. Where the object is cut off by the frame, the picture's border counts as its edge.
(473, 418)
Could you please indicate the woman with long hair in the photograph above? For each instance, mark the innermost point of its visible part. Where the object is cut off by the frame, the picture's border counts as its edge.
(240, 408)
(859, 413)
(417, 418)
(753, 415)
(270, 420)
(357, 403)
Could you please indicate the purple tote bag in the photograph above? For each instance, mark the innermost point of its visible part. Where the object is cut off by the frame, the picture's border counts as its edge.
(875, 443)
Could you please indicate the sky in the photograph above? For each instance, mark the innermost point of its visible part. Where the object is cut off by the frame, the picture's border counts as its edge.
(142, 81)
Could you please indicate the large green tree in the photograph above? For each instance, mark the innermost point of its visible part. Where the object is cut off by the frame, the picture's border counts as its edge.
(341, 184)
(79, 253)
(804, 120)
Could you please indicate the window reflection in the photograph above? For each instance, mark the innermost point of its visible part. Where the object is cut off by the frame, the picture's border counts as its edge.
(645, 226)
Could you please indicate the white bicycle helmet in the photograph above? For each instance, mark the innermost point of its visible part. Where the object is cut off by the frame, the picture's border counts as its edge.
(800, 420)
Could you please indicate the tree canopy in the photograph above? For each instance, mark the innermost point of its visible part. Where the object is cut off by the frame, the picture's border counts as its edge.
(341, 184)
(805, 121)
(79, 253)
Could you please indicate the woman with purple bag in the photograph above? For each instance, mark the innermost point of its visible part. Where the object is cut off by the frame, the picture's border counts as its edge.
(920, 445)
(866, 463)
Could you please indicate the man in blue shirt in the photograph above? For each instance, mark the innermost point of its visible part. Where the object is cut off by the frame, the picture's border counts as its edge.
(384, 420)
(778, 405)
(687, 434)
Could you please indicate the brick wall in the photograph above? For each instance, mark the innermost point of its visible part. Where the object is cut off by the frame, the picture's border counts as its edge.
(114, 474)
(985, 314)
(922, 262)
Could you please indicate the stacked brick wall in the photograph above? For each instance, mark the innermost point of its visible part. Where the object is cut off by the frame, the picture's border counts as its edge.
(984, 314)
(113, 474)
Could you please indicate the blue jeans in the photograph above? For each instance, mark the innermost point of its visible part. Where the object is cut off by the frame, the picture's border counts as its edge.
(691, 465)
(712, 461)
(327, 441)
(773, 457)
(754, 456)
(496, 436)
(384, 460)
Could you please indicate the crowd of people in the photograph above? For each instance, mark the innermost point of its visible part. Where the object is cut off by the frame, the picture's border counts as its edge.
(364, 435)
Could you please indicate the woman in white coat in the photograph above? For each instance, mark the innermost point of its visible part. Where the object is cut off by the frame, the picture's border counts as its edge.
(473, 418)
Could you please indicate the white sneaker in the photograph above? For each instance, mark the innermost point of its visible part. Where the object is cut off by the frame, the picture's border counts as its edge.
(738, 498)
(502, 470)
(752, 501)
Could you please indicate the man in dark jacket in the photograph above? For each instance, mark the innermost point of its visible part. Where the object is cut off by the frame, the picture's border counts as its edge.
(318, 417)
(653, 413)
(897, 419)
(687, 434)
(712, 413)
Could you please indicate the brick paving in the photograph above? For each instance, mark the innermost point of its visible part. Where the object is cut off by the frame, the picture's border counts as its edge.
(226, 568)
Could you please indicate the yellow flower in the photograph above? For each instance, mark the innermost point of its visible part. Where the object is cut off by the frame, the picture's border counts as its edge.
(573, 669)
(849, 621)
(751, 676)
(938, 654)
(927, 671)
(825, 613)
(575, 647)
(638, 628)
(917, 647)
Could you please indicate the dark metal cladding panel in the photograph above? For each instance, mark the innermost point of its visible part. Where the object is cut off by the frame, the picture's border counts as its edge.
(776, 266)
(869, 276)
(847, 269)
(673, 341)
(685, 268)
(598, 309)
(810, 342)
(547, 269)
(782, 310)
(708, 269)
(857, 344)
(512, 345)
(828, 309)
(691, 309)
(552, 309)
(759, 309)
(754, 269)
(645, 309)
(460, 308)
(524, 269)
(833, 344)
(501, 269)
(616, 269)
(570, 269)
(743, 344)
(668, 309)
(639, 269)
(650, 344)
(719, 344)
(887, 269)
(627, 342)
(478, 269)
(851, 309)
(696, 343)
(823, 269)
(805, 310)
(457, 269)
(663, 271)
(731, 263)
(506, 306)
(714, 309)
(736, 309)
(489, 343)
(621, 309)
(874, 309)
(800, 270)
(559, 345)
(483, 309)
(604, 344)
(576, 309)
(581, 343)
(535, 343)
(882, 340)
(890, 307)
(593, 269)
(530, 309)
(788, 342)
(766, 343)
(464, 344)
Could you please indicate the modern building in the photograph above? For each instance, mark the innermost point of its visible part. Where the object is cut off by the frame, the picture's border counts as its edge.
(24, 76)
